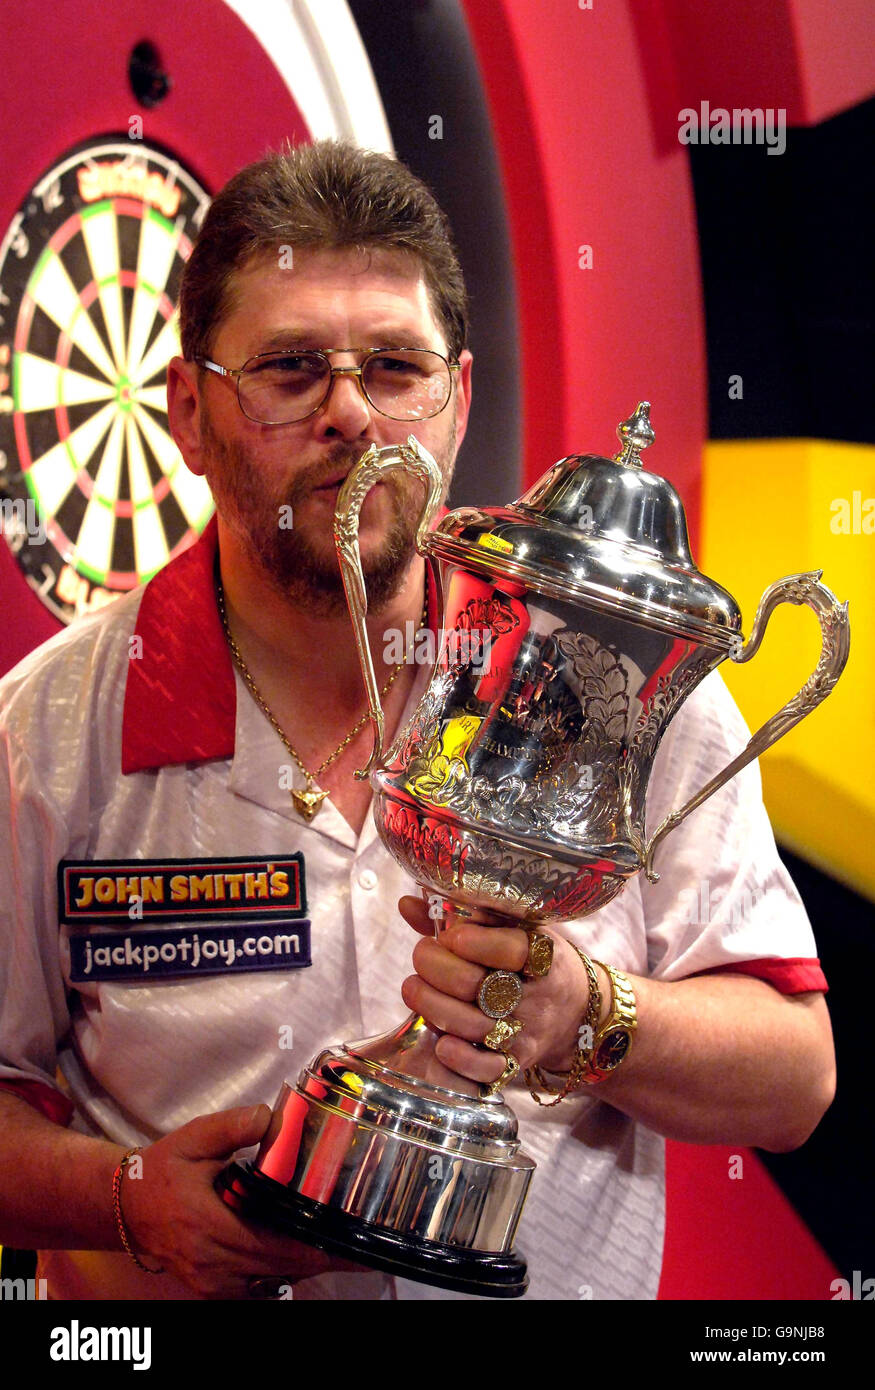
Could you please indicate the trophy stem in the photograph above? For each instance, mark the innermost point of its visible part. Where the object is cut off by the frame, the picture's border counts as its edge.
(409, 1051)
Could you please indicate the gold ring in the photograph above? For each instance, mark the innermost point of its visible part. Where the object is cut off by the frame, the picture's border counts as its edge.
(502, 1032)
(540, 956)
(500, 993)
(511, 1067)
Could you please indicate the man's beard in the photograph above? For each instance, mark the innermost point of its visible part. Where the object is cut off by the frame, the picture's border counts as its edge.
(297, 569)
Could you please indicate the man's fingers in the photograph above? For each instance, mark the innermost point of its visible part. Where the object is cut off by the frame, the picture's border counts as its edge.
(239, 1249)
(221, 1134)
(441, 968)
(497, 948)
(415, 913)
(469, 1061)
(260, 1250)
(424, 915)
(449, 1015)
(265, 1253)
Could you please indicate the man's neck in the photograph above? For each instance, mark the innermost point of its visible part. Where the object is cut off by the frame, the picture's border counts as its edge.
(287, 643)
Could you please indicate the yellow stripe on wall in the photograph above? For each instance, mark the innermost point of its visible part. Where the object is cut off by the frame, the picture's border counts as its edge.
(775, 507)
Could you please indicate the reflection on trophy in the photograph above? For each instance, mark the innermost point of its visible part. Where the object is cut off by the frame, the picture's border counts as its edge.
(518, 785)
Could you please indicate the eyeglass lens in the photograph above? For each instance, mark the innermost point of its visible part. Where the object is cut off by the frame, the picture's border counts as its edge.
(404, 384)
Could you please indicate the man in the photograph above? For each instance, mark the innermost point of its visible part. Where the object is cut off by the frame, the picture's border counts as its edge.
(201, 721)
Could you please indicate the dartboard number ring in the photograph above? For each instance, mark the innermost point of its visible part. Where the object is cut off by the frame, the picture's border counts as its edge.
(94, 495)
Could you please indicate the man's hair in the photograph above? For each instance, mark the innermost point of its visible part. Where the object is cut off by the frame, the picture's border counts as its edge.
(321, 196)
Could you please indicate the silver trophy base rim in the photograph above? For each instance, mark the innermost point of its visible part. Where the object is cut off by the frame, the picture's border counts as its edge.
(260, 1199)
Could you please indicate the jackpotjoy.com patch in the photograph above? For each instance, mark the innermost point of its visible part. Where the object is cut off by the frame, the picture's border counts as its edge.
(178, 953)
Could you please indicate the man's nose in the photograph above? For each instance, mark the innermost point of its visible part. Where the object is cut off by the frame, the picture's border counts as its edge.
(345, 409)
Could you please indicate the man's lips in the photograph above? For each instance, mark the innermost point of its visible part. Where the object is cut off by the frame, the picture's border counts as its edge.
(335, 484)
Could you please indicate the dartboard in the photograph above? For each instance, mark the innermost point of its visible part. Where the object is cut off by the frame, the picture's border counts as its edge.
(94, 495)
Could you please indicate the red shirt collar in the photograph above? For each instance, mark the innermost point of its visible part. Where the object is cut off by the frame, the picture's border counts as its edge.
(180, 697)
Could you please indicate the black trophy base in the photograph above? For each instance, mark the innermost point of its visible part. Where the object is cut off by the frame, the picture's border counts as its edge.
(257, 1198)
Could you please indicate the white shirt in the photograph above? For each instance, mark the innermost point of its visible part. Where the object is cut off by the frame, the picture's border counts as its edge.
(140, 1059)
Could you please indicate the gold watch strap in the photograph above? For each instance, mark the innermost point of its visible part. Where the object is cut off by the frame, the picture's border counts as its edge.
(619, 1026)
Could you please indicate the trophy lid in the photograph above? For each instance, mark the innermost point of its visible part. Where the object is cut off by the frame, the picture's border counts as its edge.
(602, 531)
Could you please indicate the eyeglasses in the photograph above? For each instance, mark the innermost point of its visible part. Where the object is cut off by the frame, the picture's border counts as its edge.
(280, 388)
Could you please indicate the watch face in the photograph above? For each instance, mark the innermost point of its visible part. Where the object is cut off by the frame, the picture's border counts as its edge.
(94, 495)
(612, 1050)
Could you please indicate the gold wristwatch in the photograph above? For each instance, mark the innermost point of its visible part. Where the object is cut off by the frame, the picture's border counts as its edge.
(613, 1040)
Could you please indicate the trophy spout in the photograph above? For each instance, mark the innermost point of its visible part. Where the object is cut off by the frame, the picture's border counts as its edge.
(411, 458)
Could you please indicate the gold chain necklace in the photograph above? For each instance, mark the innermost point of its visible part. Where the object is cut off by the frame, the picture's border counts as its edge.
(307, 802)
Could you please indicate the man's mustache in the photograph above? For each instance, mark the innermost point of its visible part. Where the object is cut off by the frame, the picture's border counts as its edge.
(327, 471)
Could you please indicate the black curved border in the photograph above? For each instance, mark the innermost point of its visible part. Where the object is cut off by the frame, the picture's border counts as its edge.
(425, 66)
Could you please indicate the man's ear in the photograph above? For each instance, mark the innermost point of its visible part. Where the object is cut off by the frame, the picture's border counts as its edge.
(183, 411)
(463, 395)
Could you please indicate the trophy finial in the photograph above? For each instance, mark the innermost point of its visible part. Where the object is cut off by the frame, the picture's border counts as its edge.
(635, 434)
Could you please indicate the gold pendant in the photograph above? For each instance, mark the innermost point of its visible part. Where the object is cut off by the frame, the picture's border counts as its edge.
(308, 802)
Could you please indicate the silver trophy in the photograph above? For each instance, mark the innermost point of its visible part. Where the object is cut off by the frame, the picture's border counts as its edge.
(574, 624)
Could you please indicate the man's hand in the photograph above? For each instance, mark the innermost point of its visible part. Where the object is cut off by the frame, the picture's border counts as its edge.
(451, 970)
(717, 1059)
(176, 1220)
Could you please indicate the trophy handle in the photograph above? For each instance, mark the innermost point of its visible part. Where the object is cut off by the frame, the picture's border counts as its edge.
(411, 458)
(835, 634)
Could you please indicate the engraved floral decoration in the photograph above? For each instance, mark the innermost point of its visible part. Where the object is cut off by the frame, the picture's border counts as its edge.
(533, 886)
(671, 688)
(435, 775)
(482, 619)
(601, 684)
(423, 722)
(424, 846)
(576, 720)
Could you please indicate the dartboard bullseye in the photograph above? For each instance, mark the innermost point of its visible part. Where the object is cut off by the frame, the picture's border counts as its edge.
(94, 495)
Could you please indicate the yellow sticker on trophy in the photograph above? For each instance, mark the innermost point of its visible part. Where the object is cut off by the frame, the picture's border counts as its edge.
(458, 735)
(490, 542)
(435, 774)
